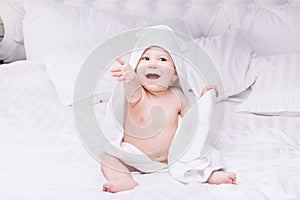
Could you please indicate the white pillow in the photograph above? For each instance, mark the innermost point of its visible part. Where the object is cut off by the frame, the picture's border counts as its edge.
(232, 57)
(270, 29)
(63, 65)
(276, 90)
(47, 25)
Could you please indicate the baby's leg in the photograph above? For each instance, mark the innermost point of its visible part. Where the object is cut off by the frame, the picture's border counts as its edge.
(117, 175)
(220, 177)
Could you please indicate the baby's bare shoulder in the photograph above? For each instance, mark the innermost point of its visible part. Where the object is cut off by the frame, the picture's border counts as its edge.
(181, 98)
(177, 92)
(179, 95)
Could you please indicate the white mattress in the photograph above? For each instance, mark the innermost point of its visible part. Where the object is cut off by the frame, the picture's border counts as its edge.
(42, 158)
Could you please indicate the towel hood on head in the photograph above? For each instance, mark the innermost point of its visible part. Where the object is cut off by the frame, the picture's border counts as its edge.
(164, 37)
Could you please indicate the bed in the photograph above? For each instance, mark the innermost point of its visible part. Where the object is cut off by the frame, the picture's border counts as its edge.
(255, 46)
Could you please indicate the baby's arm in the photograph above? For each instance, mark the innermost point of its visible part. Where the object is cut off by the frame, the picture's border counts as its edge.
(183, 101)
(133, 88)
(209, 87)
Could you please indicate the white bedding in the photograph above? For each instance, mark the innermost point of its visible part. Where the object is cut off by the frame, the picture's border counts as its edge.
(42, 158)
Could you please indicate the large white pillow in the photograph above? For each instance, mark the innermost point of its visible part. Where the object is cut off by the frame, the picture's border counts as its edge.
(48, 24)
(63, 65)
(232, 57)
(270, 28)
(276, 90)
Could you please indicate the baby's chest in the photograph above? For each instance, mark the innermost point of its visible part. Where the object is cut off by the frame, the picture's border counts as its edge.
(147, 112)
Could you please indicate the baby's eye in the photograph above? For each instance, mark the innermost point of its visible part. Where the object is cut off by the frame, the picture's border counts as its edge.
(145, 58)
(162, 59)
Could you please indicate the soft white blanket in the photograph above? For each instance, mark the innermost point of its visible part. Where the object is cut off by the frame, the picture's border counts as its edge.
(42, 158)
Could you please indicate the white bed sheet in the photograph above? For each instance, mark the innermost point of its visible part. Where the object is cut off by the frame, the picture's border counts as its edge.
(41, 156)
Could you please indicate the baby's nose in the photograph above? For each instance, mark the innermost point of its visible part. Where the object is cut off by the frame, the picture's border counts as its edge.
(152, 66)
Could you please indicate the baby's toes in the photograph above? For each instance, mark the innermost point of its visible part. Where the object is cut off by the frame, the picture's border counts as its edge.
(232, 177)
(106, 187)
(234, 181)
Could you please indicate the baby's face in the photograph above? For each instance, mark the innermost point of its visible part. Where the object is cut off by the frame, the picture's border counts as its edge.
(156, 69)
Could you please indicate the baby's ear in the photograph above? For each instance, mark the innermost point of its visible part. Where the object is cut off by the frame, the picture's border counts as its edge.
(175, 76)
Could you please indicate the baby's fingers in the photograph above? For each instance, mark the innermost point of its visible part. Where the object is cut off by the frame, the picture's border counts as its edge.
(217, 91)
(120, 61)
(115, 69)
(125, 66)
(214, 88)
(116, 74)
(122, 72)
(210, 87)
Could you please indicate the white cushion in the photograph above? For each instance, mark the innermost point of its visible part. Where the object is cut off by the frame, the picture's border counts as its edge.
(63, 65)
(47, 25)
(232, 57)
(276, 90)
(270, 29)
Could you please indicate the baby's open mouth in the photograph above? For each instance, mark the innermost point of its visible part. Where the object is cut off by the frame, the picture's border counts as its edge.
(152, 76)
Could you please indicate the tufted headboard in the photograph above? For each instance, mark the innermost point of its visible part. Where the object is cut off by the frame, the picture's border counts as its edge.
(11, 46)
(1, 30)
(201, 17)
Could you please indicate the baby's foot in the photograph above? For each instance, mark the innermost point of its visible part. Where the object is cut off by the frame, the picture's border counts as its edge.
(220, 177)
(119, 185)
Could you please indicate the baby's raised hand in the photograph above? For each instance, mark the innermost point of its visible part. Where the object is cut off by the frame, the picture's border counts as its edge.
(124, 72)
(209, 87)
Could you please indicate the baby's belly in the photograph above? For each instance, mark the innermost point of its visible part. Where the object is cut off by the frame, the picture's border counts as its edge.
(156, 147)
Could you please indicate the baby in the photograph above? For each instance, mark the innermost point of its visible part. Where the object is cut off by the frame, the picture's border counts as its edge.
(146, 87)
